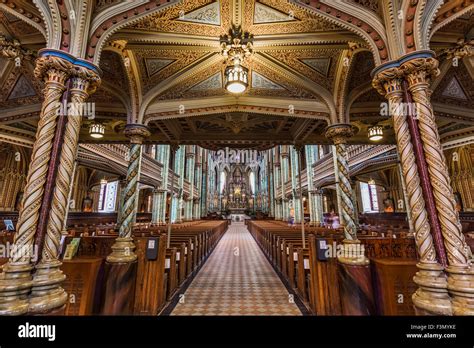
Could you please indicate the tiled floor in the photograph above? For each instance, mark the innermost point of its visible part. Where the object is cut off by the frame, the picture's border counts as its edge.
(237, 279)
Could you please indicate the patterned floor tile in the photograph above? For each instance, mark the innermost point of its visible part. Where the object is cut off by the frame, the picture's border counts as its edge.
(236, 280)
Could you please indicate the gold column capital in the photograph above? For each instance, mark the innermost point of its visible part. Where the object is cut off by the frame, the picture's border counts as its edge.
(419, 71)
(84, 81)
(136, 133)
(53, 69)
(388, 80)
(339, 133)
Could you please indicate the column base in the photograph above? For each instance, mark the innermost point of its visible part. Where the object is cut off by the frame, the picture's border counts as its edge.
(47, 295)
(357, 294)
(119, 288)
(461, 289)
(432, 296)
(15, 285)
(123, 251)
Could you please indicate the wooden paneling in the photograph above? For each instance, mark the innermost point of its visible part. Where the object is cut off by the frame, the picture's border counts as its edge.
(394, 285)
(80, 284)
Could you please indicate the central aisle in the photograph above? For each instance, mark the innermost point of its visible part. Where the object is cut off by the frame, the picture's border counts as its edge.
(237, 279)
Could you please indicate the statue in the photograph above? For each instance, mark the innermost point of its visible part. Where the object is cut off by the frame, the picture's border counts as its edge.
(389, 206)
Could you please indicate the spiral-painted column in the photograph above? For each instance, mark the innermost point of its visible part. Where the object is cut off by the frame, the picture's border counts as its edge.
(294, 184)
(15, 280)
(271, 186)
(338, 134)
(47, 293)
(204, 188)
(314, 197)
(284, 178)
(431, 296)
(164, 159)
(276, 183)
(196, 214)
(156, 204)
(123, 249)
(176, 204)
(189, 176)
(212, 185)
(418, 72)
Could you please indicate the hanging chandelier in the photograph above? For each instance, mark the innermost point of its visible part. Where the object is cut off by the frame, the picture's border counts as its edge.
(235, 48)
(375, 133)
(97, 130)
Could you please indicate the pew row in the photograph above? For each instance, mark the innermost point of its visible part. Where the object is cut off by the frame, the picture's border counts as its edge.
(159, 275)
(316, 277)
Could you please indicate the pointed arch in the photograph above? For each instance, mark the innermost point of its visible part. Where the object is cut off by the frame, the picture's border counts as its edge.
(446, 14)
(103, 30)
(354, 19)
(39, 23)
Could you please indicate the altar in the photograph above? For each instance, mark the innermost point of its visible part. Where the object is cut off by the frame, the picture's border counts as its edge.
(237, 217)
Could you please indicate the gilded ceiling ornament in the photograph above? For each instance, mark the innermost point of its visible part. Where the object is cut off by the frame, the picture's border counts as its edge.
(260, 81)
(213, 82)
(13, 50)
(266, 14)
(339, 133)
(307, 60)
(136, 133)
(463, 48)
(171, 21)
(297, 20)
(209, 14)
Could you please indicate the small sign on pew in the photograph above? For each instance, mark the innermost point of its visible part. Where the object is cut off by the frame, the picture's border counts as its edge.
(321, 247)
(152, 249)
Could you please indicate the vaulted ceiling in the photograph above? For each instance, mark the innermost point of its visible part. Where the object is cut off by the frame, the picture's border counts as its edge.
(170, 65)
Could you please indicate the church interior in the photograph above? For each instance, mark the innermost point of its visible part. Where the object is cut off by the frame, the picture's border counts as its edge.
(236, 158)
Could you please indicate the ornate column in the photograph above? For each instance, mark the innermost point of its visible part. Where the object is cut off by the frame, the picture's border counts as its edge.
(121, 187)
(298, 155)
(276, 182)
(196, 214)
(178, 170)
(284, 179)
(418, 72)
(70, 199)
(339, 134)
(190, 162)
(354, 274)
(164, 160)
(123, 249)
(431, 296)
(255, 183)
(294, 184)
(219, 193)
(156, 210)
(121, 265)
(16, 281)
(47, 293)
(405, 197)
(314, 198)
(271, 187)
(204, 187)
(211, 175)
